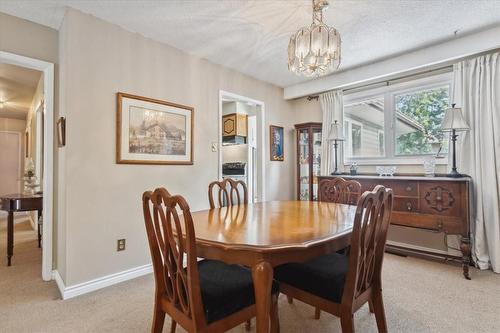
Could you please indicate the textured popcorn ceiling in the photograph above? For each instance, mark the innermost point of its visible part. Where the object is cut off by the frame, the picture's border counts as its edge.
(252, 36)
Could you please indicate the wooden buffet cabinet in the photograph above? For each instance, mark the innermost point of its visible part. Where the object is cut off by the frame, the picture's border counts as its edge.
(431, 203)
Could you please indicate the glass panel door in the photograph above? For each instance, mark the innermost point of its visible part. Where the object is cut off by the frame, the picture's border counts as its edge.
(316, 161)
(303, 142)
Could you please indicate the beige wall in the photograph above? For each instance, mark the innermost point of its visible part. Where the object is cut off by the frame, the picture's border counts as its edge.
(102, 200)
(27, 38)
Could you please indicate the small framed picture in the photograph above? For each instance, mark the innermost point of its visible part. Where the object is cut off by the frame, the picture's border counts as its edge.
(151, 131)
(277, 139)
(61, 132)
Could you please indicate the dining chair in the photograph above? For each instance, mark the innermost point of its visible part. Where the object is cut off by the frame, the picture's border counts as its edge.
(339, 190)
(228, 192)
(228, 198)
(341, 284)
(200, 296)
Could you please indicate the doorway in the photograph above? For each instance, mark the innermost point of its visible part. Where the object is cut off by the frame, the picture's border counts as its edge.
(242, 152)
(37, 144)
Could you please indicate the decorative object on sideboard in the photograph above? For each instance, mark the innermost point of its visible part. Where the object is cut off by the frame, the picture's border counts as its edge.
(385, 170)
(336, 136)
(152, 131)
(29, 177)
(354, 168)
(454, 122)
(61, 132)
(429, 166)
(314, 50)
(276, 142)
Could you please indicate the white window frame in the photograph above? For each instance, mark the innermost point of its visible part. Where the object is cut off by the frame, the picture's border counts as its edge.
(389, 92)
(348, 139)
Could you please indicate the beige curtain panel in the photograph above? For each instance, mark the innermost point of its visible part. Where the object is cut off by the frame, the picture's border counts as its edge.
(477, 92)
(332, 105)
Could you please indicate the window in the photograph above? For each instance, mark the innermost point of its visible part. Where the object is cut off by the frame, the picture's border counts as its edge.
(419, 116)
(397, 123)
(362, 122)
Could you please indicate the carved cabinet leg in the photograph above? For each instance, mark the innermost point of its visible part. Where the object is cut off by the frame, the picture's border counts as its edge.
(466, 250)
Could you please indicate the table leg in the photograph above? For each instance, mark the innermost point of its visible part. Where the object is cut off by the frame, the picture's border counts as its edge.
(10, 237)
(39, 227)
(262, 275)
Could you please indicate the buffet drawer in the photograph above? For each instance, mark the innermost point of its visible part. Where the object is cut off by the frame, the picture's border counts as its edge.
(406, 204)
(403, 189)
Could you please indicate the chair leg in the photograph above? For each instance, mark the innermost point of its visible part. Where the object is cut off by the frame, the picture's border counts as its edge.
(290, 299)
(378, 307)
(248, 325)
(347, 321)
(275, 320)
(317, 313)
(158, 319)
(370, 305)
(173, 326)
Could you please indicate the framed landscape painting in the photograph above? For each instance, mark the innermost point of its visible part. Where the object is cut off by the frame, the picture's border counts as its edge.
(151, 131)
(277, 139)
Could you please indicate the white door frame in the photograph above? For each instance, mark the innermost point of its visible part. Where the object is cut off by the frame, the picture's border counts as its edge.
(48, 153)
(262, 145)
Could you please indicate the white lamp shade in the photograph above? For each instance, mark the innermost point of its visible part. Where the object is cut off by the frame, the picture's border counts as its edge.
(454, 120)
(335, 132)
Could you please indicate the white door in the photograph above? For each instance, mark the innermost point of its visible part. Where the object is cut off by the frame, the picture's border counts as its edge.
(10, 162)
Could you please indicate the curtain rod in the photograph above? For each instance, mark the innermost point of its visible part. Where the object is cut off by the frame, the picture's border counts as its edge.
(438, 70)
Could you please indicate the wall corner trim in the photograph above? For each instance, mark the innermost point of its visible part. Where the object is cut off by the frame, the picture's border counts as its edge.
(99, 283)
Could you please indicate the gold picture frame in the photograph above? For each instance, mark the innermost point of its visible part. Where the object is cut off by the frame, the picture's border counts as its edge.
(152, 131)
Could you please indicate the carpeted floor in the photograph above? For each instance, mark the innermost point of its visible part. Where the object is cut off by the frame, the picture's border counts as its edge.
(420, 296)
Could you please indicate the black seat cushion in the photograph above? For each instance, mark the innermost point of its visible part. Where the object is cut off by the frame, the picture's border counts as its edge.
(323, 276)
(225, 289)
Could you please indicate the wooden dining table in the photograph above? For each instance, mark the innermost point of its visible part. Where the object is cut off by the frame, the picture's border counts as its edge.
(267, 234)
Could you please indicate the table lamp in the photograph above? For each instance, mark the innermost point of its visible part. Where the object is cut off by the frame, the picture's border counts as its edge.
(454, 122)
(336, 136)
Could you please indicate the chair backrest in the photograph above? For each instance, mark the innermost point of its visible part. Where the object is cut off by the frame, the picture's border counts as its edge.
(228, 192)
(339, 190)
(172, 244)
(368, 240)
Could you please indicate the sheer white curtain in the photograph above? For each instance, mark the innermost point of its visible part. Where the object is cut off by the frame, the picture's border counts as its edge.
(332, 105)
(477, 92)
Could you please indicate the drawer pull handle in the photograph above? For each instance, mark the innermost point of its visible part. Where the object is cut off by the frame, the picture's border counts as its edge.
(408, 206)
(440, 225)
(409, 189)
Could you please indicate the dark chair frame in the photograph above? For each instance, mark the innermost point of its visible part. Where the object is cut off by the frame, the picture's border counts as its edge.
(339, 190)
(178, 292)
(224, 194)
(364, 276)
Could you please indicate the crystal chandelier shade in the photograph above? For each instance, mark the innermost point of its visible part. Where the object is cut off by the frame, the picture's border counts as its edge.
(314, 50)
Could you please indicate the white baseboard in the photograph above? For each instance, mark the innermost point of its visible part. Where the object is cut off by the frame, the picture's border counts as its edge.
(68, 292)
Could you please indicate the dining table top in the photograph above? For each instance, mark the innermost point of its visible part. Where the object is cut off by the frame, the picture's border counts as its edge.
(273, 224)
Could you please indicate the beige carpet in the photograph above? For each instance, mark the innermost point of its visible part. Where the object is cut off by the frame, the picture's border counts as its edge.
(420, 296)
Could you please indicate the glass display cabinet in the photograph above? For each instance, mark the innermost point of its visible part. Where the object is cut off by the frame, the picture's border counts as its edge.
(308, 160)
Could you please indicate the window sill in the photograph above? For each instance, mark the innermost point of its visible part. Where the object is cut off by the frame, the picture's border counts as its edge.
(394, 161)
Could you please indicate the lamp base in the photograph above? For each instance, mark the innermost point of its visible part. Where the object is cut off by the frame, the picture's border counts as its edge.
(454, 174)
(336, 172)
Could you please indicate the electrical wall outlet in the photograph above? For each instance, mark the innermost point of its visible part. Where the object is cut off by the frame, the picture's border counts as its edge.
(120, 245)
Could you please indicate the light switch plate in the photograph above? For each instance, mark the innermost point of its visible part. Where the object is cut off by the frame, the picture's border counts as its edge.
(214, 147)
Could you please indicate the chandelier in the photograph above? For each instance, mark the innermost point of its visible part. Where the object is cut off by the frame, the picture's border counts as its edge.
(314, 50)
